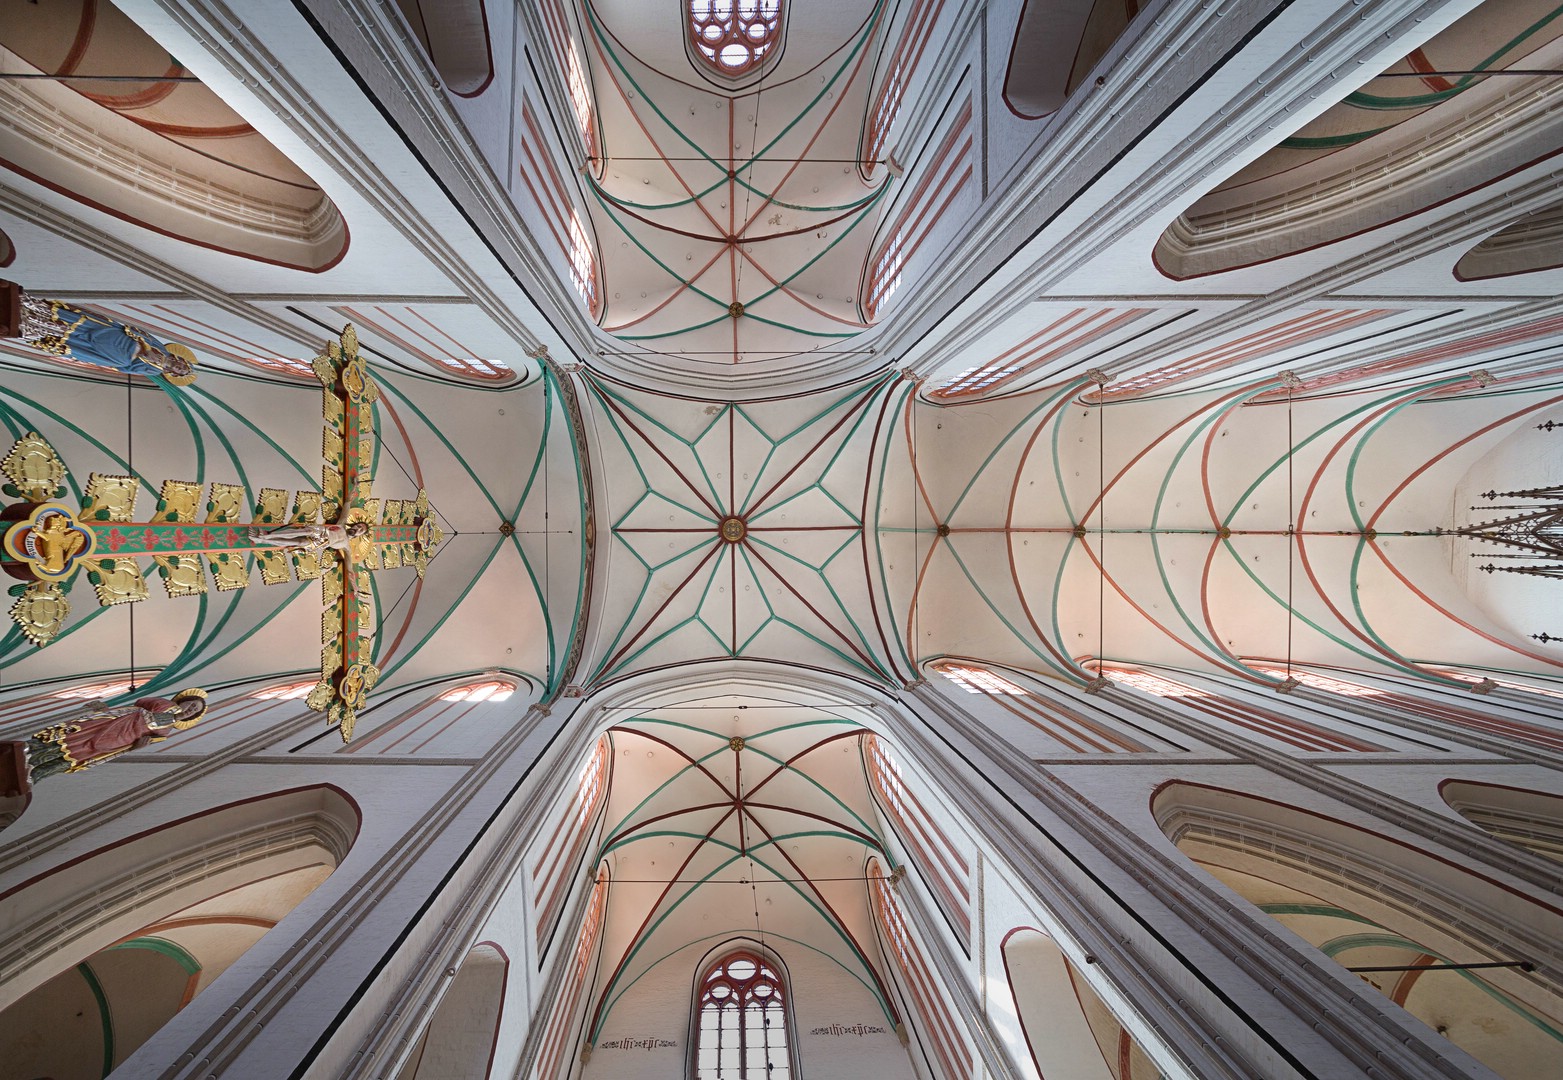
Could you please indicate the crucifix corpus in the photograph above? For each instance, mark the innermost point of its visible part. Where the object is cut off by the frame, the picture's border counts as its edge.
(332, 534)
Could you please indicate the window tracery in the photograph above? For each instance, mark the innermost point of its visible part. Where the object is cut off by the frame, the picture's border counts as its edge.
(282, 365)
(734, 35)
(580, 101)
(583, 268)
(285, 691)
(979, 680)
(97, 690)
(885, 276)
(742, 1021)
(487, 690)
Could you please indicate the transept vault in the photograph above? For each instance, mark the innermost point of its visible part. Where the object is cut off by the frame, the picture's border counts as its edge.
(720, 539)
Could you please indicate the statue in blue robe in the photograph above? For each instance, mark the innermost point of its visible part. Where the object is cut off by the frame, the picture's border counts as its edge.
(73, 333)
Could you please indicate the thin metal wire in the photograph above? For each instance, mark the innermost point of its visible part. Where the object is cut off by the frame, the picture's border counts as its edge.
(130, 465)
(753, 160)
(1291, 523)
(1523, 965)
(1101, 518)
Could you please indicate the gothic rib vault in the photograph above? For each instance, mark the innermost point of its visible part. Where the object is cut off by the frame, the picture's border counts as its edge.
(992, 538)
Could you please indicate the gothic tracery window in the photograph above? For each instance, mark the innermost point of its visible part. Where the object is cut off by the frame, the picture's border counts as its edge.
(742, 1021)
(734, 35)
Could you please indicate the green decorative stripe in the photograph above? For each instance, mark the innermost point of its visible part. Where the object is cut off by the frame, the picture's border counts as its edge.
(163, 946)
(105, 1017)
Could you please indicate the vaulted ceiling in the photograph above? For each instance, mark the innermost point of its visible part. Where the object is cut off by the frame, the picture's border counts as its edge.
(623, 309)
(733, 215)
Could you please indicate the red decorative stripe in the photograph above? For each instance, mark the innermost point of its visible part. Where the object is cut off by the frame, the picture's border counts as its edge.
(1072, 331)
(1454, 350)
(948, 1045)
(918, 216)
(551, 875)
(559, 1028)
(946, 869)
(1306, 327)
(903, 65)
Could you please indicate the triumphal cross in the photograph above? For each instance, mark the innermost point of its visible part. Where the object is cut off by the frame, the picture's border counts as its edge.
(339, 534)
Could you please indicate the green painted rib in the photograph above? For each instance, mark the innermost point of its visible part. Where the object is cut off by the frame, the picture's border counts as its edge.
(1212, 647)
(1363, 100)
(821, 788)
(172, 671)
(451, 610)
(982, 467)
(1336, 946)
(311, 481)
(1367, 627)
(1329, 142)
(97, 443)
(440, 435)
(1024, 639)
(907, 398)
(682, 772)
(84, 969)
(164, 947)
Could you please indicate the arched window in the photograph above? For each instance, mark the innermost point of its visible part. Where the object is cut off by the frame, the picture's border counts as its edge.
(884, 278)
(583, 268)
(282, 365)
(915, 32)
(488, 690)
(742, 1021)
(734, 35)
(562, 41)
(285, 691)
(97, 691)
(979, 680)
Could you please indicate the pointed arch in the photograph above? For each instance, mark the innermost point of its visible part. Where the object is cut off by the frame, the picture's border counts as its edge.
(166, 153)
(1396, 916)
(1532, 243)
(1531, 819)
(200, 891)
(743, 1025)
(473, 1005)
(733, 37)
(454, 35)
(1402, 144)
(1068, 1028)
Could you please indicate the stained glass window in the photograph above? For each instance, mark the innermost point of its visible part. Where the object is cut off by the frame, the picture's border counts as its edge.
(743, 1021)
(734, 35)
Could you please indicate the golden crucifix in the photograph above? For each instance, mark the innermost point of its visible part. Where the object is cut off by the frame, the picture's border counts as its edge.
(45, 542)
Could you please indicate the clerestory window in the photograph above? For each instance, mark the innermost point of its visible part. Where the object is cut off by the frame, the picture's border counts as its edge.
(734, 35)
(742, 1021)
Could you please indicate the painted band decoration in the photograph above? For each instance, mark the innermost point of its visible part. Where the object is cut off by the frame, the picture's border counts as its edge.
(339, 535)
